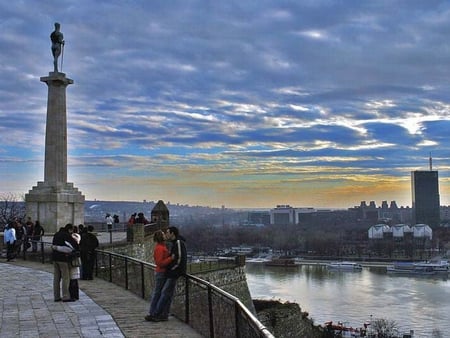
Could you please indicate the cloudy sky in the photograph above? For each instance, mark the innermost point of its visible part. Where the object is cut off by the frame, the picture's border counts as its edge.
(239, 103)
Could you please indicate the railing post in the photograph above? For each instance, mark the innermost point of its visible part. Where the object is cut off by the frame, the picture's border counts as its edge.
(211, 313)
(186, 301)
(126, 273)
(236, 320)
(96, 263)
(142, 280)
(42, 253)
(110, 267)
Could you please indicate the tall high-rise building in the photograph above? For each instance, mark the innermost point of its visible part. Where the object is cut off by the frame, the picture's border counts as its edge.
(425, 197)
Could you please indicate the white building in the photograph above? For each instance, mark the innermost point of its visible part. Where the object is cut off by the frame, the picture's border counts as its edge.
(377, 231)
(422, 231)
(380, 231)
(399, 230)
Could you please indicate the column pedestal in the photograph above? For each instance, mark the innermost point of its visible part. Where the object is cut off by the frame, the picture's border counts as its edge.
(55, 205)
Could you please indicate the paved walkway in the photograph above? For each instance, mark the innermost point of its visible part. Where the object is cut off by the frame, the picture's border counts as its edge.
(103, 310)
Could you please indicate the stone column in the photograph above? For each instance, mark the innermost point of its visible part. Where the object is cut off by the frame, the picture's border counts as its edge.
(56, 131)
(55, 202)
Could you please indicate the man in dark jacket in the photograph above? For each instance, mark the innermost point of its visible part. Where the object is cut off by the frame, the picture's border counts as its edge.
(88, 244)
(175, 270)
(61, 269)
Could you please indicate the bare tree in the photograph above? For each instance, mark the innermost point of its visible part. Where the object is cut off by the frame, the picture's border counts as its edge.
(385, 328)
(11, 207)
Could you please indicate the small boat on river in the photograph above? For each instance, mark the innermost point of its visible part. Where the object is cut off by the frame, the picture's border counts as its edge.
(347, 266)
(340, 329)
(282, 262)
(432, 267)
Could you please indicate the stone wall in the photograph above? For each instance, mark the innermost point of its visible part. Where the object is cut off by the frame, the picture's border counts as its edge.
(233, 281)
(286, 320)
(230, 280)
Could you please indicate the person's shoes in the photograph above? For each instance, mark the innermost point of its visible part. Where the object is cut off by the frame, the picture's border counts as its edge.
(149, 318)
(58, 300)
(160, 319)
(68, 300)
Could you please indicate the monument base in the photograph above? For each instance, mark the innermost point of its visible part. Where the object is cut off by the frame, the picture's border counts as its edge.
(55, 205)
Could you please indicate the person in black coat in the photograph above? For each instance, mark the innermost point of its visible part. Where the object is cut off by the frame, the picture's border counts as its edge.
(88, 244)
(61, 269)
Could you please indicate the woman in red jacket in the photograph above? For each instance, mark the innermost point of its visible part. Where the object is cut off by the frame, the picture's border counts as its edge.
(162, 258)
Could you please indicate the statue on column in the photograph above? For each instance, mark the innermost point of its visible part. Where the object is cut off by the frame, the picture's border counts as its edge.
(57, 45)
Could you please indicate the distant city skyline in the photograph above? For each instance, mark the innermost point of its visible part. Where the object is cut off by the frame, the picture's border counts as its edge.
(248, 104)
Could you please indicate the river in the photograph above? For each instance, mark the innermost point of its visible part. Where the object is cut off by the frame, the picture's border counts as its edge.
(418, 303)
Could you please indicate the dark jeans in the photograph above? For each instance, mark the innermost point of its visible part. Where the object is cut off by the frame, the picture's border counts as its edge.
(34, 243)
(73, 289)
(163, 307)
(18, 246)
(87, 264)
(160, 279)
(10, 251)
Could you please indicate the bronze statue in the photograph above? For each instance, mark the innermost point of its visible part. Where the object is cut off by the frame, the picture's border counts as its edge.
(57, 45)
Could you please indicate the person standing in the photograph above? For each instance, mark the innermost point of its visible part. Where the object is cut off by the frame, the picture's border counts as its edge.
(130, 230)
(162, 258)
(132, 220)
(109, 221)
(38, 232)
(29, 229)
(20, 236)
(88, 244)
(75, 270)
(61, 270)
(71, 249)
(10, 241)
(140, 219)
(174, 270)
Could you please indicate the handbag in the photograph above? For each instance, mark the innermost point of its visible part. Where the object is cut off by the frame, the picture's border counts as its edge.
(75, 260)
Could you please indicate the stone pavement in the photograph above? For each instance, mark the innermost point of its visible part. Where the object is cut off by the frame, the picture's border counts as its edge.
(103, 310)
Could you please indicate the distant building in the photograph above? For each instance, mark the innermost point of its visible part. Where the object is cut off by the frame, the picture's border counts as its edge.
(425, 197)
(285, 214)
(259, 217)
(383, 231)
(378, 231)
(390, 213)
(282, 214)
(445, 213)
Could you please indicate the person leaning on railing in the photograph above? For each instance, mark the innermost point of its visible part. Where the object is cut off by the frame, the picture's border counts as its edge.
(162, 259)
(175, 270)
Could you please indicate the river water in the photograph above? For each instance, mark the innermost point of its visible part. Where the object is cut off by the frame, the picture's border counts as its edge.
(418, 303)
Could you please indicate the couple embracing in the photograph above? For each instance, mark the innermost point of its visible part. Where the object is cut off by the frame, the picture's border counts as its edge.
(170, 265)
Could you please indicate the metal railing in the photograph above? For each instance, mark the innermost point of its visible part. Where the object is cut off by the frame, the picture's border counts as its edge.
(208, 309)
(205, 307)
